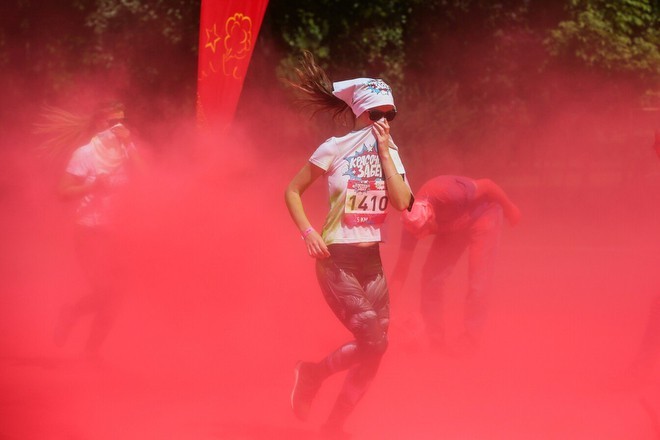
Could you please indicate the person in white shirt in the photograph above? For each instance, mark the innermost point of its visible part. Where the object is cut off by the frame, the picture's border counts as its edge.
(365, 177)
(95, 175)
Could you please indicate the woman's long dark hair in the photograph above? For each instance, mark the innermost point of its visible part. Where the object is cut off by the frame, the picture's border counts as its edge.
(314, 88)
(63, 131)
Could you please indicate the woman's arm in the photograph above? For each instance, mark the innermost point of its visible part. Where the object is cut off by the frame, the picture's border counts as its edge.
(398, 191)
(293, 197)
(488, 188)
(72, 186)
(135, 159)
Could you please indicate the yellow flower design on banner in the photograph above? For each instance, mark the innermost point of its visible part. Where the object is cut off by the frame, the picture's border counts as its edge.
(236, 46)
(237, 43)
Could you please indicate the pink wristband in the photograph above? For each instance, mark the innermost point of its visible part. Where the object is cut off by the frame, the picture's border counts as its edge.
(306, 232)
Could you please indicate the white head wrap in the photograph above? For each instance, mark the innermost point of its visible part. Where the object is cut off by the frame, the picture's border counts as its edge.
(363, 93)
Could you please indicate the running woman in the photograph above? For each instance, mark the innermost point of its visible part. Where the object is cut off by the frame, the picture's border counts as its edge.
(95, 174)
(365, 177)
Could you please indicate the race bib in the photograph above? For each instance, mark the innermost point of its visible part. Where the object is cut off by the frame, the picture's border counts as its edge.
(366, 202)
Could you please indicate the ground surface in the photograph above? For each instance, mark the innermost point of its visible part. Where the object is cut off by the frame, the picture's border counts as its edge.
(215, 320)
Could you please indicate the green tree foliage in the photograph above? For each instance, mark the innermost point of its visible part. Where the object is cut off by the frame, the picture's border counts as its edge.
(346, 35)
(460, 66)
(468, 67)
(143, 52)
(474, 69)
(613, 37)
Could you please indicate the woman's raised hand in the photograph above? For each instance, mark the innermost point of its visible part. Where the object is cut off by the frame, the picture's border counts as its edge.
(381, 129)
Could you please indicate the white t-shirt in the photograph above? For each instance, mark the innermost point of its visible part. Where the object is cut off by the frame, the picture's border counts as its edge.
(356, 187)
(96, 208)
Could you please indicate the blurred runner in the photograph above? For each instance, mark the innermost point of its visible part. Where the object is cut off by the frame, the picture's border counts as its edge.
(461, 213)
(95, 175)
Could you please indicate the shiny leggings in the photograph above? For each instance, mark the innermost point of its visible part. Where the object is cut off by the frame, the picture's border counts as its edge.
(354, 287)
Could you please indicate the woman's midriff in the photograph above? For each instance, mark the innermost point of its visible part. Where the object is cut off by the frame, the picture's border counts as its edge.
(365, 244)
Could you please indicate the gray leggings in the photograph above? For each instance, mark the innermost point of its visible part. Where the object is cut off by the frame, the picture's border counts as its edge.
(354, 287)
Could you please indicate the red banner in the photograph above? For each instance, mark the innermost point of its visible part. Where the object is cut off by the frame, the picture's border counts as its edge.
(227, 33)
